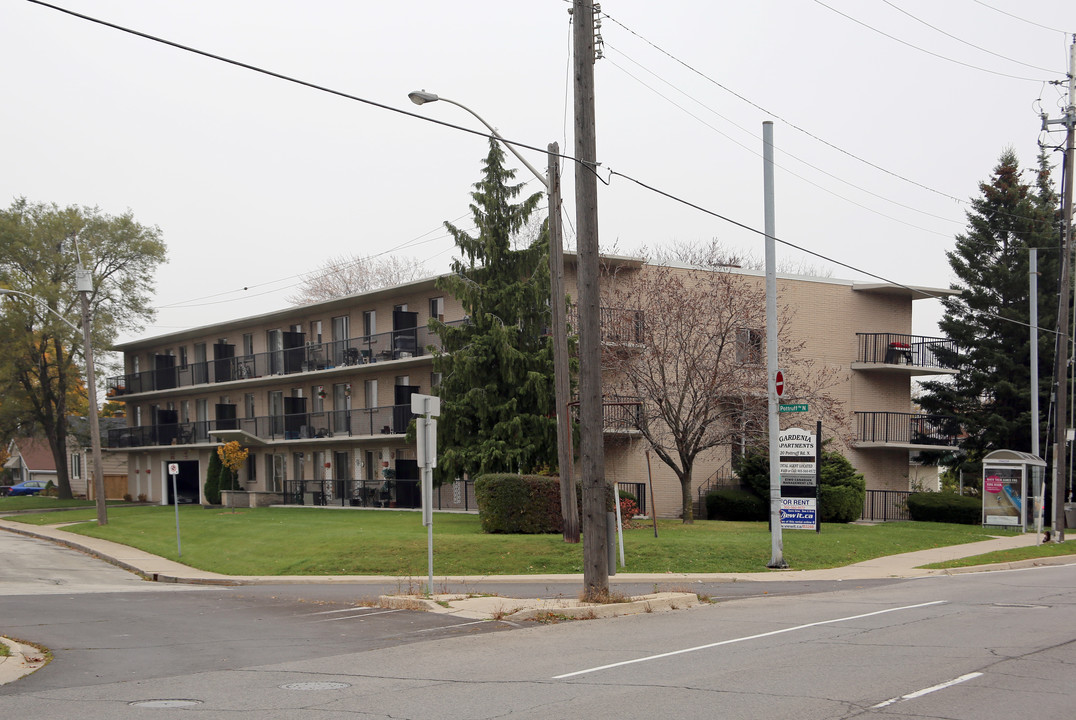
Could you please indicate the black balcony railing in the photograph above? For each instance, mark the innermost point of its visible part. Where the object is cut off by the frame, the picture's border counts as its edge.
(389, 420)
(619, 413)
(900, 349)
(395, 345)
(378, 494)
(617, 325)
(904, 429)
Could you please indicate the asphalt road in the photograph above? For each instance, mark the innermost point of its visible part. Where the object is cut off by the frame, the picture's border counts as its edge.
(974, 646)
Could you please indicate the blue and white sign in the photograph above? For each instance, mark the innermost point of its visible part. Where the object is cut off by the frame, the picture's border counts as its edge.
(798, 513)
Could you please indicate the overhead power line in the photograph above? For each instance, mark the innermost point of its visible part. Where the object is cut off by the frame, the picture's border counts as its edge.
(612, 173)
(924, 50)
(961, 40)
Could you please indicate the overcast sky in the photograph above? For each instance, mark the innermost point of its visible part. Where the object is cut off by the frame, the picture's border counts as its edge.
(254, 180)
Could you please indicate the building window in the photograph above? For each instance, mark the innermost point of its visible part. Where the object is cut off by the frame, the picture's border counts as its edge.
(369, 323)
(371, 394)
(315, 331)
(435, 380)
(248, 343)
(248, 403)
(252, 472)
(437, 308)
(749, 345)
(317, 398)
(76, 466)
(183, 357)
(276, 472)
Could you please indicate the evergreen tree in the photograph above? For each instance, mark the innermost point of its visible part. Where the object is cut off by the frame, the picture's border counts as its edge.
(212, 480)
(497, 409)
(990, 397)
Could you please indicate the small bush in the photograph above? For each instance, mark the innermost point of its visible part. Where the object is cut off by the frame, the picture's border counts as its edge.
(841, 491)
(945, 507)
(525, 504)
(735, 505)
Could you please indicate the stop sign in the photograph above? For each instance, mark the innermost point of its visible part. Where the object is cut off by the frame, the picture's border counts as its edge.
(779, 383)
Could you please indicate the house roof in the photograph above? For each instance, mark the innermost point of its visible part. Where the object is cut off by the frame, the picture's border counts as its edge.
(35, 453)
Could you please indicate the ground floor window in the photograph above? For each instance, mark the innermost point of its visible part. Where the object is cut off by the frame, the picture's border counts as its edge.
(276, 472)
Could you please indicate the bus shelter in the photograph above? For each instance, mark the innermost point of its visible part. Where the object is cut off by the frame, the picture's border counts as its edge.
(1008, 475)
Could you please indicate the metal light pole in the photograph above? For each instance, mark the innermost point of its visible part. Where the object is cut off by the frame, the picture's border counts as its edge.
(82, 278)
(569, 510)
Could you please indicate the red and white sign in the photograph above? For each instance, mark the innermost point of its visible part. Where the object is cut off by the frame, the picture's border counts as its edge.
(173, 468)
(779, 383)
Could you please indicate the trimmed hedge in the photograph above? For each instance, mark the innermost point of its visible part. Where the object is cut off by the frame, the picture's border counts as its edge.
(523, 504)
(945, 507)
(735, 505)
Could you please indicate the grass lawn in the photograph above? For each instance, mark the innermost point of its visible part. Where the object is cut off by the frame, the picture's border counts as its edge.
(1014, 555)
(301, 541)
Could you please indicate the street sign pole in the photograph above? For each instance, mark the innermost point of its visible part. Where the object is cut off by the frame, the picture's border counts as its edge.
(173, 470)
(429, 407)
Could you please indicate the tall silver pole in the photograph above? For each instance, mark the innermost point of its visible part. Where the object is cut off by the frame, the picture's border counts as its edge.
(1033, 317)
(777, 557)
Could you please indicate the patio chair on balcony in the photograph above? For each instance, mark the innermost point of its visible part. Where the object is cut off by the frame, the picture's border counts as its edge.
(897, 351)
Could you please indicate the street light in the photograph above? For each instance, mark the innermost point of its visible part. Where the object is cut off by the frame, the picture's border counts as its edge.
(91, 388)
(569, 509)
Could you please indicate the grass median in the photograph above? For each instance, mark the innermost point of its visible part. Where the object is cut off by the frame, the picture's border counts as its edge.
(313, 541)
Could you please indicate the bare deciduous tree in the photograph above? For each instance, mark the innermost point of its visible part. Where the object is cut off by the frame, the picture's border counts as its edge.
(713, 255)
(348, 274)
(699, 368)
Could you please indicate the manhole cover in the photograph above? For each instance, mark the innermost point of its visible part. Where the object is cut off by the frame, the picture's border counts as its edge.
(174, 703)
(315, 686)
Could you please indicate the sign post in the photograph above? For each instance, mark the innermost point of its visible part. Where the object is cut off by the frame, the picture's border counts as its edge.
(173, 470)
(428, 407)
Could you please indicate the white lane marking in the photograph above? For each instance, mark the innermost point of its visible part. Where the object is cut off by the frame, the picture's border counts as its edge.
(352, 617)
(334, 612)
(927, 691)
(446, 627)
(744, 639)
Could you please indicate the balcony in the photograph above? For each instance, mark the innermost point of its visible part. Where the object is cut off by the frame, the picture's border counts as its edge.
(897, 352)
(309, 357)
(909, 431)
(618, 325)
(620, 415)
(309, 426)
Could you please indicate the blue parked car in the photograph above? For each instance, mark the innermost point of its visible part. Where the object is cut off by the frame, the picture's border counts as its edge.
(30, 487)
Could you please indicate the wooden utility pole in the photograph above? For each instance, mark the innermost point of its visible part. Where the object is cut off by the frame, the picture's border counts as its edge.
(562, 381)
(1061, 366)
(592, 452)
(85, 286)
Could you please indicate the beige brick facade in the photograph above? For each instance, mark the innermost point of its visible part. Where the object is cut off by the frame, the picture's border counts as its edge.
(324, 407)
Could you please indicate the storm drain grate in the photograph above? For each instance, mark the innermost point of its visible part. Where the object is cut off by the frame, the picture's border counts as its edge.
(315, 686)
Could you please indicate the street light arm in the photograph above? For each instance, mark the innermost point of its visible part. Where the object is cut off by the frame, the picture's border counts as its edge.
(6, 291)
(420, 98)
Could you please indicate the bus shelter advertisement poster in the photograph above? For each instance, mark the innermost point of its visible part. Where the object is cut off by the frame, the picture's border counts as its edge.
(1002, 496)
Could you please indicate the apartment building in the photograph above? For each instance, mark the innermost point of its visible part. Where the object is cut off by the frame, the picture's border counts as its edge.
(320, 393)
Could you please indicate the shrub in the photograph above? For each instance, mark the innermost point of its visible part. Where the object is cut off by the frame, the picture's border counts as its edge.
(733, 504)
(525, 504)
(945, 507)
(212, 480)
(841, 491)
